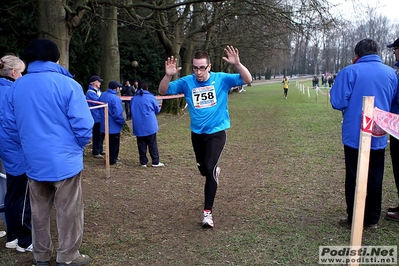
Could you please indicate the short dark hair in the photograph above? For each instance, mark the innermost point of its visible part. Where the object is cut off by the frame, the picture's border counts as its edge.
(367, 47)
(201, 55)
(144, 85)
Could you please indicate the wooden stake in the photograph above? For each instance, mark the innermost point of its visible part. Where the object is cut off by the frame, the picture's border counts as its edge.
(328, 98)
(361, 175)
(106, 139)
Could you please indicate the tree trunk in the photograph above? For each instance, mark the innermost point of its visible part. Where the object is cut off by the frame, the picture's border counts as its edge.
(172, 46)
(53, 25)
(110, 60)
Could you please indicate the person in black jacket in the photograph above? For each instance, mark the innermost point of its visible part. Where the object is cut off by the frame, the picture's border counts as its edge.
(330, 81)
(128, 90)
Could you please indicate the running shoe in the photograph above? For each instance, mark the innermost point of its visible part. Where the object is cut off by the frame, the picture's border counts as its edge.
(207, 220)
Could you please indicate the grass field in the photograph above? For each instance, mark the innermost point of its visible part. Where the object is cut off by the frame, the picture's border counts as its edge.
(280, 196)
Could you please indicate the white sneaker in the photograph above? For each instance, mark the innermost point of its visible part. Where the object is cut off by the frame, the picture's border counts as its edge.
(143, 165)
(3, 234)
(12, 244)
(217, 175)
(207, 220)
(23, 250)
(158, 165)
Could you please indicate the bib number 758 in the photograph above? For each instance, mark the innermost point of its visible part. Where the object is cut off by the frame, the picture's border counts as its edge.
(204, 96)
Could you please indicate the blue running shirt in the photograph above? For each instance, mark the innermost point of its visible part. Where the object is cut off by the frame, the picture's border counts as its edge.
(207, 101)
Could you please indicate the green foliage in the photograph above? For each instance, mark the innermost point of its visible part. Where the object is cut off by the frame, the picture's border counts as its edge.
(143, 47)
(134, 44)
(84, 54)
(18, 26)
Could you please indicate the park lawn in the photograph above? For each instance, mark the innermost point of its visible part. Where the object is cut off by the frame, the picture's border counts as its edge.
(280, 196)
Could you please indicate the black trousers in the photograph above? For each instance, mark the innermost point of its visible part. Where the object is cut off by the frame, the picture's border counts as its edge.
(98, 139)
(394, 148)
(372, 210)
(127, 110)
(285, 92)
(18, 211)
(150, 142)
(208, 148)
(114, 143)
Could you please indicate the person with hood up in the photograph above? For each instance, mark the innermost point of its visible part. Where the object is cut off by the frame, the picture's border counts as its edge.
(144, 108)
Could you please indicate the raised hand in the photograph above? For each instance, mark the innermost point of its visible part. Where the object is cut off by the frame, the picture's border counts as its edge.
(171, 66)
(232, 55)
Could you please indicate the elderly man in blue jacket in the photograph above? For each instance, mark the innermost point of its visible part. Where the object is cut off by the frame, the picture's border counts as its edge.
(48, 115)
(367, 76)
(93, 94)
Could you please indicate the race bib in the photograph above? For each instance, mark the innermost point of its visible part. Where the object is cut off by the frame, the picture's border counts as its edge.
(204, 97)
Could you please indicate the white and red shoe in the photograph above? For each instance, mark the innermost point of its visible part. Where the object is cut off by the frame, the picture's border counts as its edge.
(207, 219)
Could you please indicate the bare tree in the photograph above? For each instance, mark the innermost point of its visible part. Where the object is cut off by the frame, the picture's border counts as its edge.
(57, 21)
(110, 59)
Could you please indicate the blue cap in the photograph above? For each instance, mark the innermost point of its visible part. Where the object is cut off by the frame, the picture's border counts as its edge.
(113, 84)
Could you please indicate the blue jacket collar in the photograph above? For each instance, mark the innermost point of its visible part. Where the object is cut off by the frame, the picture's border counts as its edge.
(369, 58)
(47, 66)
(6, 81)
(112, 91)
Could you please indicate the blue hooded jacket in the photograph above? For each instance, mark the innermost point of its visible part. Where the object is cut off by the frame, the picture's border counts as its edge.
(367, 77)
(115, 112)
(48, 115)
(94, 95)
(144, 110)
(11, 152)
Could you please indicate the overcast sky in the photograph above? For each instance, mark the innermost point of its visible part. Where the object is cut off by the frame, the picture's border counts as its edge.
(388, 8)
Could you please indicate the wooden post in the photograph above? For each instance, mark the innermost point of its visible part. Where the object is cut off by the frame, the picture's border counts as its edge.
(308, 92)
(362, 174)
(106, 139)
(328, 97)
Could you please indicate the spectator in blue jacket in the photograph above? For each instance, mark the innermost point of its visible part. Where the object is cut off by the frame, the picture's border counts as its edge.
(47, 114)
(17, 202)
(144, 108)
(393, 212)
(115, 119)
(93, 93)
(368, 76)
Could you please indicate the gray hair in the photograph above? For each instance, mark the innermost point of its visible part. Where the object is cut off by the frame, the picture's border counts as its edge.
(367, 47)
